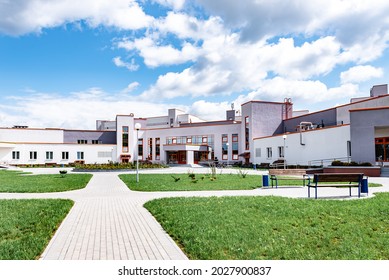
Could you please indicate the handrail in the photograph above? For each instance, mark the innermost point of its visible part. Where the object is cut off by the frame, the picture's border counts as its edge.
(322, 161)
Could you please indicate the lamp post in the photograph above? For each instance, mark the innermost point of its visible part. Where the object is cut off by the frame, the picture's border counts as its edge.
(137, 127)
(284, 137)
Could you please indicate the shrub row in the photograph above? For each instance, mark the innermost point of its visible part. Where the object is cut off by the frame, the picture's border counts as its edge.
(352, 163)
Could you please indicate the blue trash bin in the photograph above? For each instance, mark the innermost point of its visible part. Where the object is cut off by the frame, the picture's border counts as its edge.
(365, 185)
(265, 180)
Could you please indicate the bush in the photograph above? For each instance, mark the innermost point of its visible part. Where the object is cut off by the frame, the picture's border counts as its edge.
(352, 163)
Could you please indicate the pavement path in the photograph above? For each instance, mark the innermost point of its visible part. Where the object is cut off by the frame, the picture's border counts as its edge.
(109, 222)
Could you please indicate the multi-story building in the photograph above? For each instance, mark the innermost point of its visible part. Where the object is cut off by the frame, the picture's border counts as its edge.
(260, 132)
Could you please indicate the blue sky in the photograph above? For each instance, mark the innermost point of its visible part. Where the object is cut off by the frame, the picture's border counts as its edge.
(66, 63)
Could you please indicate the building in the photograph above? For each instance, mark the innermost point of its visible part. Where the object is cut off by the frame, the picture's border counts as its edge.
(260, 132)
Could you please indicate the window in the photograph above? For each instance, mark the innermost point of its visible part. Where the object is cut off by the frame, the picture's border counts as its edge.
(80, 155)
(157, 148)
(97, 142)
(65, 155)
(140, 148)
(281, 151)
(269, 152)
(349, 148)
(49, 155)
(150, 148)
(258, 152)
(247, 132)
(224, 146)
(104, 154)
(235, 147)
(33, 155)
(125, 143)
(82, 141)
(15, 155)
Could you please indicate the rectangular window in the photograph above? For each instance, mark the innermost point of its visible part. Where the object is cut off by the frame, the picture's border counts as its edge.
(258, 152)
(15, 155)
(235, 147)
(247, 132)
(140, 148)
(65, 155)
(157, 148)
(80, 155)
(104, 154)
(224, 146)
(349, 148)
(125, 142)
(269, 152)
(82, 141)
(97, 142)
(49, 155)
(150, 149)
(281, 151)
(33, 155)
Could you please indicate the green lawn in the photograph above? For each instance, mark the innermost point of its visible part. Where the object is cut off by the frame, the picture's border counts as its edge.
(277, 228)
(15, 181)
(167, 182)
(26, 226)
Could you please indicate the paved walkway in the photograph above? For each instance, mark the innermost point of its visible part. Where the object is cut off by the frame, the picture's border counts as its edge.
(108, 221)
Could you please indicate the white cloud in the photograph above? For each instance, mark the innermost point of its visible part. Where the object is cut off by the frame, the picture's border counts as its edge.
(82, 109)
(360, 73)
(131, 87)
(132, 66)
(20, 17)
(175, 4)
(155, 55)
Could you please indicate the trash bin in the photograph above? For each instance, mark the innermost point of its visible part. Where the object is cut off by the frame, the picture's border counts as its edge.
(265, 180)
(365, 185)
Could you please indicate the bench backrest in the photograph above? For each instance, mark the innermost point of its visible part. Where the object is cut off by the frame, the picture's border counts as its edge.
(337, 177)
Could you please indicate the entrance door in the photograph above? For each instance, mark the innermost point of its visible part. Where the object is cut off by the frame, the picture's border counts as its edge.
(181, 157)
(382, 149)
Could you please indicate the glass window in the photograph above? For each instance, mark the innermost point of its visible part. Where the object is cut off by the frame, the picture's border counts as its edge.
(33, 155)
(15, 155)
(65, 155)
(49, 155)
(80, 155)
(269, 152)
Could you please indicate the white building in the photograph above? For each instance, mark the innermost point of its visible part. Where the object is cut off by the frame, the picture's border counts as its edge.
(262, 132)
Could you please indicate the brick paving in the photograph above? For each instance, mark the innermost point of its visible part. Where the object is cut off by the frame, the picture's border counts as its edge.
(108, 221)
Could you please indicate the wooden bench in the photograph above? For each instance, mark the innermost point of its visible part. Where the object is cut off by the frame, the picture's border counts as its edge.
(275, 179)
(337, 180)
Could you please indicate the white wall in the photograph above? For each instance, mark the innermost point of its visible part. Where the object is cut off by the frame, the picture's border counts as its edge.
(31, 135)
(91, 153)
(326, 143)
(215, 130)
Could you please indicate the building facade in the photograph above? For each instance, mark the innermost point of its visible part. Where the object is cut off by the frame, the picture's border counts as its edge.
(260, 132)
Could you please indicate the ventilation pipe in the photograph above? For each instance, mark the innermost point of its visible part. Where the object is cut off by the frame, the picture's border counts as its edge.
(306, 125)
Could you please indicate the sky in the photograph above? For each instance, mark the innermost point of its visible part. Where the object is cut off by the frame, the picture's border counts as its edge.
(67, 63)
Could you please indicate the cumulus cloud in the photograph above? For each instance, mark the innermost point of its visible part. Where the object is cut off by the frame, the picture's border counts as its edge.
(175, 4)
(132, 66)
(360, 73)
(82, 108)
(155, 55)
(19, 17)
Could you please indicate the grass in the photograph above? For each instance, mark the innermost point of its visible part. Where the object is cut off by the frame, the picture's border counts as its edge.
(28, 225)
(277, 228)
(182, 182)
(15, 181)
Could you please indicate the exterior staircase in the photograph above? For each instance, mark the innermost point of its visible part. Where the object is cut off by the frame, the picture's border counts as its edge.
(384, 171)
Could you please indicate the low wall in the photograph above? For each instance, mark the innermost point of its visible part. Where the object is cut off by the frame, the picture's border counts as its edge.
(366, 170)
